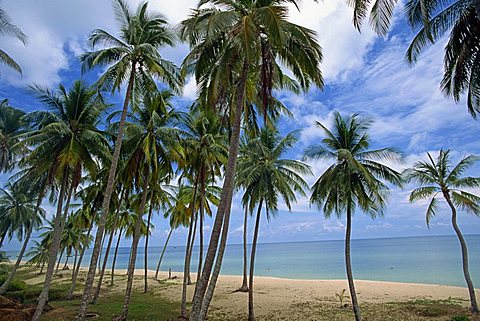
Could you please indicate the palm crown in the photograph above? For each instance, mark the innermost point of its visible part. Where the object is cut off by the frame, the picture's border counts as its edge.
(356, 176)
(438, 178)
(142, 34)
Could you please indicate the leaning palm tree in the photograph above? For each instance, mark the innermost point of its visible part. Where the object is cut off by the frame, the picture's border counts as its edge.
(25, 215)
(133, 57)
(150, 147)
(65, 143)
(355, 179)
(247, 42)
(267, 177)
(433, 19)
(437, 178)
(7, 28)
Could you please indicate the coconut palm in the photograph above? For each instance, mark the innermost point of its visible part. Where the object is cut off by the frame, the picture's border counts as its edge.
(247, 37)
(65, 142)
(133, 57)
(205, 146)
(266, 178)
(22, 213)
(150, 146)
(438, 178)
(8, 28)
(12, 124)
(355, 179)
(38, 254)
(125, 220)
(461, 19)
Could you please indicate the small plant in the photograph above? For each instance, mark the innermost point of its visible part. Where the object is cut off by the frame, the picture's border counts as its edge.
(15, 285)
(342, 295)
(460, 318)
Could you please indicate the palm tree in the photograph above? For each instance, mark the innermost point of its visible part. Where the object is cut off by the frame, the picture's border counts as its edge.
(266, 177)
(461, 19)
(125, 220)
(133, 57)
(7, 28)
(12, 125)
(38, 255)
(356, 178)
(205, 145)
(150, 146)
(438, 178)
(24, 213)
(248, 38)
(66, 142)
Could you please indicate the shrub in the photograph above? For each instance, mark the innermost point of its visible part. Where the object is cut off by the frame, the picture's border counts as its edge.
(15, 285)
(460, 318)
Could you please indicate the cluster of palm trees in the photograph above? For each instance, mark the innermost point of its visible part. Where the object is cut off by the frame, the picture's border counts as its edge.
(152, 156)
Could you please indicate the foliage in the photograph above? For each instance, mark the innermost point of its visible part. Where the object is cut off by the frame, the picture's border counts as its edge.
(342, 295)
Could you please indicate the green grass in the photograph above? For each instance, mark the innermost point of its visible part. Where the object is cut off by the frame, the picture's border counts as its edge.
(144, 306)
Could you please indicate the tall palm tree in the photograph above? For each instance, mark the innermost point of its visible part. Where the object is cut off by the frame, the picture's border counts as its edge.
(267, 177)
(150, 146)
(248, 38)
(461, 18)
(355, 179)
(25, 215)
(66, 142)
(132, 57)
(12, 124)
(8, 28)
(205, 144)
(437, 177)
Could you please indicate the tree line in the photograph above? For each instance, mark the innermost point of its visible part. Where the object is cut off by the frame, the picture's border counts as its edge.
(152, 156)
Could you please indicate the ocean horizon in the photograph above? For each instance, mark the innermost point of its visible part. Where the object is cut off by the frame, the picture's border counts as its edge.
(421, 259)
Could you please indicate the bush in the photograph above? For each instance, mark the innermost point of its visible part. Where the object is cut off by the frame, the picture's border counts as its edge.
(3, 257)
(460, 318)
(15, 285)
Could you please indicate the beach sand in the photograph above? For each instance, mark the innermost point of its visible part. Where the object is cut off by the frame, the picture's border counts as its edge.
(292, 299)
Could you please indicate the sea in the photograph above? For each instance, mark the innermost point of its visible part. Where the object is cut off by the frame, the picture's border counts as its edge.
(431, 260)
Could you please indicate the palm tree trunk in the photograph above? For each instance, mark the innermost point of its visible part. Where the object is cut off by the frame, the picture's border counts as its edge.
(59, 260)
(217, 268)
(202, 213)
(190, 252)
(75, 260)
(133, 253)
(106, 202)
(104, 265)
(100, 254)
(348, 263)
(10, 277)
(58, 225)
(251, 314)
(145, 288)
(463, 245)
(185, 270)
(79, 263)
(163, 252)
(244, 287)
(225, 200)
(107, 251)
(43, 266)
(66, 262)
(115, 255)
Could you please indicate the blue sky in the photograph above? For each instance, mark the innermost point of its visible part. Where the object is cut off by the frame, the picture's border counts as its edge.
(363, 73)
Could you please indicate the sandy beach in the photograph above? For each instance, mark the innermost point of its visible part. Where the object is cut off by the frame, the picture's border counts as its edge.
(294, 299)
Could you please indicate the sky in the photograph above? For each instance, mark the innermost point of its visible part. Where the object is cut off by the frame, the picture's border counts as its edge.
(363, 73)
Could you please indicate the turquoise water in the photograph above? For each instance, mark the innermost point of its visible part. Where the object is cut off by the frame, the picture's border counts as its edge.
(435, 260)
